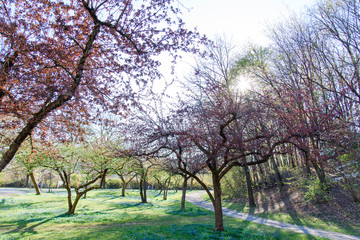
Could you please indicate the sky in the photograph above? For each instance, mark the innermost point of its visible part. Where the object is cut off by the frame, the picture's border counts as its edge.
(241, 22)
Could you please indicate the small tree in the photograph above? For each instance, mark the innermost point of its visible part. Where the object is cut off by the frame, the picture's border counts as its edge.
(92, 161)
(124, 167)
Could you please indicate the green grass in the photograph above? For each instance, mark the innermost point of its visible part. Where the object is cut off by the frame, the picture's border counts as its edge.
(296, 218)
(105, 215)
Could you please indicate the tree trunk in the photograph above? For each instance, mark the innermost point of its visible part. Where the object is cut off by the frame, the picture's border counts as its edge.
(183, 196)
(58, 102)
(27, 180)
(73, 206)
(166, 188)
(278, 178)
(307, 164)
(145, 189)
(320, 172)
(104, 184)
(219, 223)
(142, 191)
(70, 204)
(123, 189)
(249, 187)
(34, 183)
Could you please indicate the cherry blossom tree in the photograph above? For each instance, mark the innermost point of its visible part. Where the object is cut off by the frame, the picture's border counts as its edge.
(61, 59)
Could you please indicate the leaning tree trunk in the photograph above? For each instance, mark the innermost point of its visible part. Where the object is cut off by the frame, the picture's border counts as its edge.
(33, 180)
(74, 205)
(51, 106)
(87, 187)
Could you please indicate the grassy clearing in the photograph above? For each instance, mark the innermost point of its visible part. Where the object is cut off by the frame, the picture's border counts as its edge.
(105, 215)
(295, 218)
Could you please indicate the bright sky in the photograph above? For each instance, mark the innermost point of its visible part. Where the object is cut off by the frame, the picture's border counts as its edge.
(240, 21)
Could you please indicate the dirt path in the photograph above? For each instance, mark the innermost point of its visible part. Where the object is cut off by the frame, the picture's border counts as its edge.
(194, 198)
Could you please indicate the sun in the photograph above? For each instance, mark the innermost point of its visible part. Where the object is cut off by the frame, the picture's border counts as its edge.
(242, 84)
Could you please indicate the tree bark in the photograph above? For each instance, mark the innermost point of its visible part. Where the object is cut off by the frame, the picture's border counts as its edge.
(104, 184)
(68, 189)
(320, 172)
(142, 191)
(27, 180)
(73, 206)
(249, 186)
(33, 180)
(277, 172)
(123, 189)
(145, 189)
(183, 195)
(219, 222)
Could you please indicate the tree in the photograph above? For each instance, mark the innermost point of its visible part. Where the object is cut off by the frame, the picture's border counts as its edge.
(29, 160)
(92, 161)
(305, 85)
(213, 128)
(60, 58)
(142, 167)
(124, 167)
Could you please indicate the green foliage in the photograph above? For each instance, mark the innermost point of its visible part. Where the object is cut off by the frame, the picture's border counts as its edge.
(76, 179)
(196, 231)
(10, 179)
(190, 211)
(113, 183)
(3, 178)
(316, 191)
(234, 184)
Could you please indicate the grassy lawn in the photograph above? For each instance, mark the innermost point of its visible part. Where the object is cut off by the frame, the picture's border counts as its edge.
(105, 215)
(296, 218)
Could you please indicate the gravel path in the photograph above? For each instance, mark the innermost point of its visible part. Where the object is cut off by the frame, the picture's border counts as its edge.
(194, 198)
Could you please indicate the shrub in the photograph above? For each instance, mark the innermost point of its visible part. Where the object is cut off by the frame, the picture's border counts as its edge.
(113, 183)
(234, 184)
(316, 191)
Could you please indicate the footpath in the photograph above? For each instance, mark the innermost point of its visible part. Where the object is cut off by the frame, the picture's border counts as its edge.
(194, 198)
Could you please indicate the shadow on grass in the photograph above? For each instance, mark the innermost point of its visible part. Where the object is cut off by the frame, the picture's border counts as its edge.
(295, 217)
(188, 212)
(12, 204)
(22, 225)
